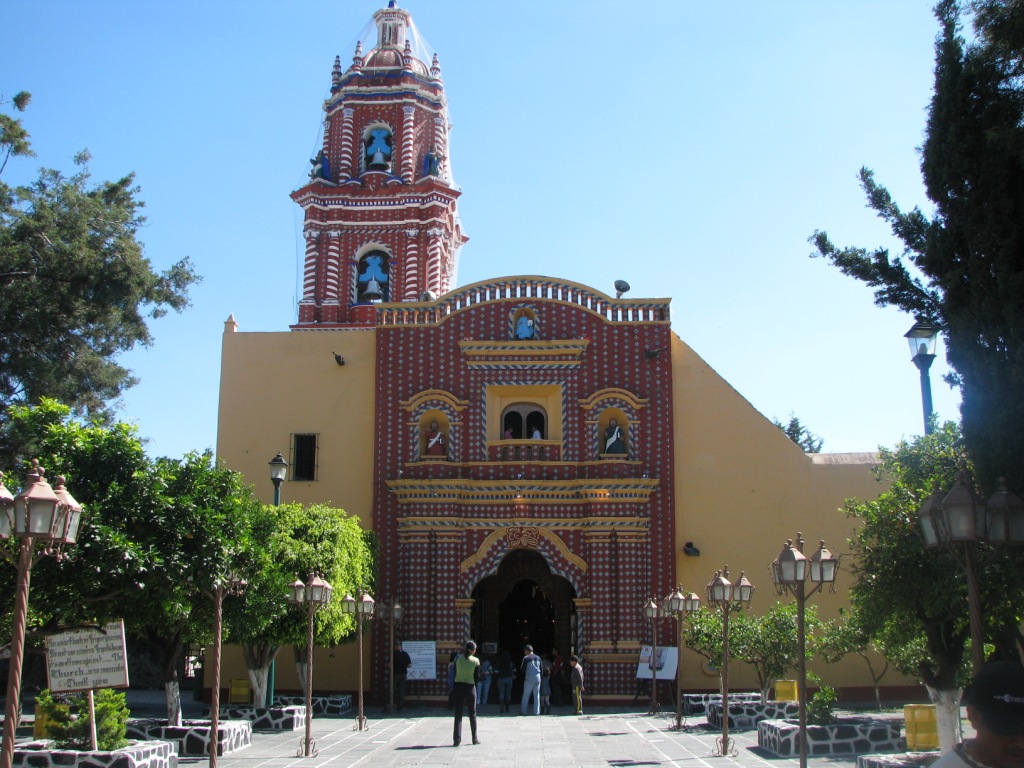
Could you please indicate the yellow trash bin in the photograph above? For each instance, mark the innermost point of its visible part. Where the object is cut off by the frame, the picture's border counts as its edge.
(922, 726)
(786, 690)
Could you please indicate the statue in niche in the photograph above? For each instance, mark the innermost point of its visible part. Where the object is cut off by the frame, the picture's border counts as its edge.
(435, 441)
(321, 167)
(614, 440)
(378, 150)
(431, 164)
(524, 328)
(373, 279)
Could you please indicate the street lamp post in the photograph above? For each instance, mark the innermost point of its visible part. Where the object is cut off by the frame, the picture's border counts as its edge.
(50, 515)
(723, 594)
(363, 609)
(278, 474)
(680, 605)
(789, 572)
(230, 585)
(652, 611)
(391, 612)
(958, 521)
(922, 338)
(315, 595)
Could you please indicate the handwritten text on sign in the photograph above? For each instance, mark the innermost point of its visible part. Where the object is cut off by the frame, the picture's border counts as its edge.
(88, 658)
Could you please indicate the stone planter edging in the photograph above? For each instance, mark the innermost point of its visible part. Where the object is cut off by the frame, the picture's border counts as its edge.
(193, 736)
(905, 760)
(697, 703)
(323, 706)
(267, 718)
(150, 754)
(846, 737)
(748, 714)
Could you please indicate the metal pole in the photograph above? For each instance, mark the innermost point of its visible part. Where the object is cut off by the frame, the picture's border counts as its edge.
(801, 670)
(17, 651)
(361, 720)
(218, 614)
(391, 655)
(725, 750)
(679, 674)
(974, 607)
(307, 743)
(924, 364)
(654, 665)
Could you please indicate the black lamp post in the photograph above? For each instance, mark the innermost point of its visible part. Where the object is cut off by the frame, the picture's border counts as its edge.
(680, 605)
(51, 516)
(959, 520)
(315, 595)
(278, 474)
(652, 612)
(923, 337)
(391, 613)
(363, 609)
(789, 572)
(725, 595)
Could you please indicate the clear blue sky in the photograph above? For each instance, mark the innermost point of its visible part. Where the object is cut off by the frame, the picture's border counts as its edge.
(688, 148)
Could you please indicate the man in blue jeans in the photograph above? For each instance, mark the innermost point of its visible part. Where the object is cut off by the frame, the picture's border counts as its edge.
(531, 669)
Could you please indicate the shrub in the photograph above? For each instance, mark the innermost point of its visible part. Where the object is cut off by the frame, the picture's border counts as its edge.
(68, 724)
(819, 708)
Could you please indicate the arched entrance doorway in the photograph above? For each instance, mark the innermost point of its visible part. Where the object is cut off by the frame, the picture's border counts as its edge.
(524, 602)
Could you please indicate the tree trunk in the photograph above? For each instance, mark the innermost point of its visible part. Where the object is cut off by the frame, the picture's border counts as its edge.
(947, 715)
(173, 702)
(257, 663)
(300, 666)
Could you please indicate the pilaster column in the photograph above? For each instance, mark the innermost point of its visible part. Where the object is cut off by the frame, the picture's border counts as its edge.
(408, 167)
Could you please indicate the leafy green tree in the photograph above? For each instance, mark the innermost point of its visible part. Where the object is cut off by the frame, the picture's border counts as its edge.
(961, 266)
(846, 636)
(702, 634)
(800, 434)
(155, 535)
(75, 288)
(911, 601)
(768, 642)
(297, 541)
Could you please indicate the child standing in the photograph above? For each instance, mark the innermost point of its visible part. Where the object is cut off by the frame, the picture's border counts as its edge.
(577, 683)
(545, 690)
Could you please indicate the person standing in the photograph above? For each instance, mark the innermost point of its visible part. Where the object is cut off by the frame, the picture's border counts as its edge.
(531, 668)
(400, 663)
(556, 677)
(467, 668)
(577, 683)
(995, 707)
(506, 677)
(483, 688)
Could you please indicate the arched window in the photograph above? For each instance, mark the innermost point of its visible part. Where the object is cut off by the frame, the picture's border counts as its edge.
(377, 148)
(373, 278)
(524, 421)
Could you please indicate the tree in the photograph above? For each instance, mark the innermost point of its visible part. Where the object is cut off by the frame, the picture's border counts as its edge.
(75, 287)
(839, 638)
(155, 535)
(769, 643)
(297, 541)
(801, 435)
(964, 273)
(912, 601)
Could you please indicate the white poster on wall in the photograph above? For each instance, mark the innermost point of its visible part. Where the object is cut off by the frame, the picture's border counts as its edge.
(424, 659)
(668, 663)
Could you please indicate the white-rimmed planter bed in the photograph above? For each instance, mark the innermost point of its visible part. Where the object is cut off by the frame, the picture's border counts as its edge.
(848, 736)
(267, 718)
(148, 754)
(323, 706)
(697, 703)
(747, 714)
(193, 736)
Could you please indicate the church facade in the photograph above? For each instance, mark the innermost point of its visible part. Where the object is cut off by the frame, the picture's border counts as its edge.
(537, 457)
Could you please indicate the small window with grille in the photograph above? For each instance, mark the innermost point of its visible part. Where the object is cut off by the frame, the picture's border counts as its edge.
(304, 457)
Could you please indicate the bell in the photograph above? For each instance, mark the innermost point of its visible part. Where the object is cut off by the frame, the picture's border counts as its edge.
(379, 162)
(372, 291)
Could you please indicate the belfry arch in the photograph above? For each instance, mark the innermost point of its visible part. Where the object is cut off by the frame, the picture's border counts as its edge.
(525, 602)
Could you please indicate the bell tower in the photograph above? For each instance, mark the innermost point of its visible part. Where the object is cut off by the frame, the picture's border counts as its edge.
(381, 223)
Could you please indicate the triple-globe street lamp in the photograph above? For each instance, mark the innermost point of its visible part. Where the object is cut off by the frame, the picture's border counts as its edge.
(222, 587)
(726, 596)
(41, 514)
(679, 605)
(315, 594)
(789, 572)
(362, 607)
